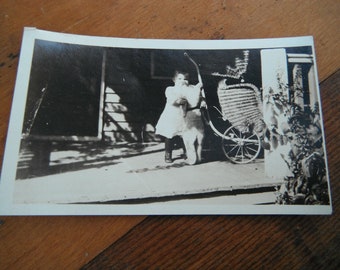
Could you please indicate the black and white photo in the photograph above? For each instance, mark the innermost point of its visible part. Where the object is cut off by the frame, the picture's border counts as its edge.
(112, 126)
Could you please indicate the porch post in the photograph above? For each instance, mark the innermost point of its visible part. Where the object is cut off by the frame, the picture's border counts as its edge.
(274, 77)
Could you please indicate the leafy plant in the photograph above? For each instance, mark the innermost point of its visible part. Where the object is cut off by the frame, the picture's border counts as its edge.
(306, 159)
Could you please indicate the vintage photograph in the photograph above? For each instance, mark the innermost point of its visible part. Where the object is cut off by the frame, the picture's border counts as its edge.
(127, 126)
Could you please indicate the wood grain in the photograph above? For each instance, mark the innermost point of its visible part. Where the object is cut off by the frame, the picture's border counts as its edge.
(225, 243)
(58, 242)
(175, 242)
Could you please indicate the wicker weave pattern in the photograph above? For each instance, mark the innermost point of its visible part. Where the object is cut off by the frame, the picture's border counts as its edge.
(241, 105)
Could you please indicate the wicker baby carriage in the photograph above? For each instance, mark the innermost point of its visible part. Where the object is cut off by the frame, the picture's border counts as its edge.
(241, 105)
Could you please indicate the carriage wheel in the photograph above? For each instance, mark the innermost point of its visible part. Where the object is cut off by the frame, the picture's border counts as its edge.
(240, 147)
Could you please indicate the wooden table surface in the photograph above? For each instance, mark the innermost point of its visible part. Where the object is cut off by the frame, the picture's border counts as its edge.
(177, 242)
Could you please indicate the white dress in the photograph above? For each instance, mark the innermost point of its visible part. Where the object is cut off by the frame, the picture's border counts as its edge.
(171, 120)
(174, 120)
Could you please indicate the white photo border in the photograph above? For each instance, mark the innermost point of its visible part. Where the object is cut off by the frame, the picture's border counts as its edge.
(7, 182)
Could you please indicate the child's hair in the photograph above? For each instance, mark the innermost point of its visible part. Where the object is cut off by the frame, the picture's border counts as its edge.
(178, 72)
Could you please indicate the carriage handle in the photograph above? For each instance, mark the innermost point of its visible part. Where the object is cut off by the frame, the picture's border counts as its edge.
(196, 66)
(207, 117)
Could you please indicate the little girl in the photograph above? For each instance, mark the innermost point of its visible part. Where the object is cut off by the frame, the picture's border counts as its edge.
(171, 120)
